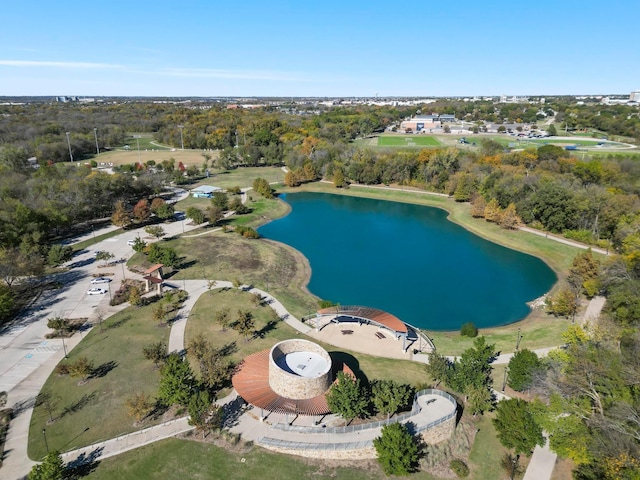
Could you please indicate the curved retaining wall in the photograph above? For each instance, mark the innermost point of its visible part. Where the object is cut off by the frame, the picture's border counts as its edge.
(293, 386)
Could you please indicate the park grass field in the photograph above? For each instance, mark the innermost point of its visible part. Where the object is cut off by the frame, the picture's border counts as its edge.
(407, 141)
(85, 414)
(178, 459)
(122, 157)
(201, 322)
(145, 140)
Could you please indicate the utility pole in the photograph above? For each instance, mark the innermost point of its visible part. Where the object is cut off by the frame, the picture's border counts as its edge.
(181, 127)
(69, 143)
(95, 132)
(138, 143)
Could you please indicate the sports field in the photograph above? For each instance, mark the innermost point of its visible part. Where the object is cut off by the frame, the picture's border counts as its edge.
(407, 141)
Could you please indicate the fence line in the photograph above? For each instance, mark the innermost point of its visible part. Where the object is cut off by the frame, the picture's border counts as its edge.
(415, 409)
(274, 442)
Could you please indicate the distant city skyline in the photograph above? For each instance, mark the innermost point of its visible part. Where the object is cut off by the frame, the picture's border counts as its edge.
(319, 49)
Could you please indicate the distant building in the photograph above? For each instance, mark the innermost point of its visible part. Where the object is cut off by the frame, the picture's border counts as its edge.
(635, 96)
(421, 123)
(205, 191)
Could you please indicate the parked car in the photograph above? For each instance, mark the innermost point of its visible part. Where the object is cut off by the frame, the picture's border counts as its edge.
(96, 291)
(98, 280)
(131, 243)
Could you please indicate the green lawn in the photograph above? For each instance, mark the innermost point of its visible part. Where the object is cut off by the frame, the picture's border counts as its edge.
(244, 176)
(183, 459)
(144, 140)
(486, 451)
(539, 331)
(228, 256)
(202, 321)
(85, 414)
(407, 141)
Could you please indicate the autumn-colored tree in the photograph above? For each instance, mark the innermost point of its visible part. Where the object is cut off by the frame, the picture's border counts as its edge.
(309, 172)
(338, 178)
(121, 217)
(508, 218)
(156, 203)
(562, 304)
(309, 144)
(83, 367)
(141, 210)
(492, 211)
(139, 406)
(291, 179)
(134, 296)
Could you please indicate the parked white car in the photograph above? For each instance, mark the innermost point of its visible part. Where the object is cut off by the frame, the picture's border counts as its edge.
(96, 291)
(99, 280)
(131, 243)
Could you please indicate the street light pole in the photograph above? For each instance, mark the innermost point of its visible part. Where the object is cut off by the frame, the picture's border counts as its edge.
(95, 132)
(64, 347)
(138, 143)
(504, 382)
(181, 127)
(44, 434)
(69, 143)
(518, 338)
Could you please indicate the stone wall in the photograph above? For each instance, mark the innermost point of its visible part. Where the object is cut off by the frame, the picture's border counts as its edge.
(441, 432)
(358, 454)
(294, 386)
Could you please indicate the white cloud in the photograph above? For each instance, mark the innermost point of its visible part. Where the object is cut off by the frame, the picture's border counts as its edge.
(231, 74)
(36, 63)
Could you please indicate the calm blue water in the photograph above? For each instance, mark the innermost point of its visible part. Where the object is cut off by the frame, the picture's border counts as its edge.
(408, 260)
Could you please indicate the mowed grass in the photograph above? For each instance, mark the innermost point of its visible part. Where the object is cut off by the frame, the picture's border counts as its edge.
(244, 176)
(122, 157)
(85, 414)
(144, 140)
(269, 332)
(228, 256)
(407, 141)
(181, 459)
(486, 452)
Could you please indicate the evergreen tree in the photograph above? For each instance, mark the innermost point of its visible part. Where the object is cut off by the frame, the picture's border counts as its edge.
(398, 452)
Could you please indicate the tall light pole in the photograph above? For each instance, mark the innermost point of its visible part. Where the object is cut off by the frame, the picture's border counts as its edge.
(44, 434)
(69, 143)
(64, 347)
(137, 137)
(181, 127)
(95, 132)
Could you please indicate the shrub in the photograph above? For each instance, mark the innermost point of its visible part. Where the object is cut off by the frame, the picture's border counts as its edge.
(62, 369)
(234, 190)
(469, 330)
(247, 232)
(459, 468)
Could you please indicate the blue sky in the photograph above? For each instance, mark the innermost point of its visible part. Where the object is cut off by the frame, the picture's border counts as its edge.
(313, 48)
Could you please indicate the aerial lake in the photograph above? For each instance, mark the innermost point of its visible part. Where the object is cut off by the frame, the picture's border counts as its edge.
(408, 260)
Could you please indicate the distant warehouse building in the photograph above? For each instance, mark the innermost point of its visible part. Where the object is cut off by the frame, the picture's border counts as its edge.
(421, 123)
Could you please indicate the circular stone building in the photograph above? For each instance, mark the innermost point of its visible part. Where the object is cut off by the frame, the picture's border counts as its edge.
(292, 377)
